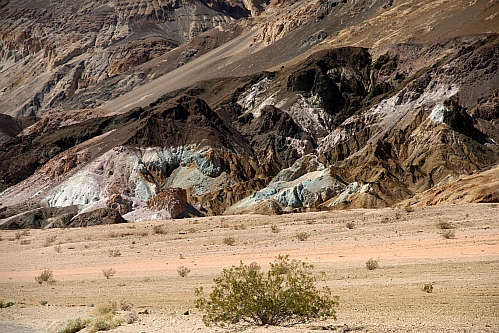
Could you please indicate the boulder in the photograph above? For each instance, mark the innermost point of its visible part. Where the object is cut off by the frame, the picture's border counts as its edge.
(97, 217)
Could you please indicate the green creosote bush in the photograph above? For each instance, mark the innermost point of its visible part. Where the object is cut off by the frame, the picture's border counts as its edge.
(243, 296)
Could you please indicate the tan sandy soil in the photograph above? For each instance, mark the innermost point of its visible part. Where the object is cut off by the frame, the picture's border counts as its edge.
(408, 246)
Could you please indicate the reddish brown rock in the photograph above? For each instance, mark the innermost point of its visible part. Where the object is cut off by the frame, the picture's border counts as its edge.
(172, 201)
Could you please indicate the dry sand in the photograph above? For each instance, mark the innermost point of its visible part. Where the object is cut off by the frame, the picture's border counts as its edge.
(409, 247)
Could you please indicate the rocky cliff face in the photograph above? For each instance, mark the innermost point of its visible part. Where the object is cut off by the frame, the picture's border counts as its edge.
(339, 127)
(52, 50)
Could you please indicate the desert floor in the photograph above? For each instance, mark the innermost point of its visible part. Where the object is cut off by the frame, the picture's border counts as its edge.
(409, 247)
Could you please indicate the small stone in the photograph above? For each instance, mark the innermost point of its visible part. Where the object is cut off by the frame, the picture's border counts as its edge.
(186, 313)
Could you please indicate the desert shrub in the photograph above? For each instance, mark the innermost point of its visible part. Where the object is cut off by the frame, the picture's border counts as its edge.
(372, 264)
(25, 242)
(183, 271)
(130, 317)
(254, 267)
(114, 253)
(448, 234)
(57, 248)
(19, 234)
(45, 276)
(103, 322)
(275, 229)
(428, 287)
(229, 241)
(6, 304)
(444, 225)
(159, 230)
(124, 305)
(73, 325)
(302, 236)
(49, 240)
(244, 296)
(239, 227)
(105, 308)
(350, 225)
(108, 272)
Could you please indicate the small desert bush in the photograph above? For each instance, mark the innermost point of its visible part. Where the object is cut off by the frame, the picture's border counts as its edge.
(239, 227)
(159, 230)
(73, 325)
(428, 287)
(183, 271)
(103, 318)
(25, 242)
(448, 234)
(46, 276)
(275, 229)
(254, 267)
(243, 296)
(6, 304)
(19, 234)
(350, 225)
(103, 322)
(229, 241)
(302, 236)
(108, 272)
(122, 305)
(114, 253)
(444, 225)
(49, 241)
(372, 264)
(57, 248)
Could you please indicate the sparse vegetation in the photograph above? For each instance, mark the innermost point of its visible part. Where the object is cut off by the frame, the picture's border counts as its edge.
(350, 225)
(183, 271)
(243, 296)
(108, 272)
(302, 236)
(444, 225)
(239, 227)
(6, 304)
(25, 242)
(122, 305)
(73, 325)
(46, 276)
(448, 234)
(103, 318)
(49, 241)
(159, 230)
(428, 287)
(372, 264)
(114, 253)
(229, 241)
(19, 234)
(254, 267)
(275, 229)
(57, 248)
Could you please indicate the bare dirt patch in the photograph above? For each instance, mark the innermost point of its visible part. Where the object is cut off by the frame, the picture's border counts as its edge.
(408, 246)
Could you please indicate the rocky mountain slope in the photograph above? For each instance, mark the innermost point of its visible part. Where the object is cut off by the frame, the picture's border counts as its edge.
(287, 107)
